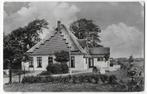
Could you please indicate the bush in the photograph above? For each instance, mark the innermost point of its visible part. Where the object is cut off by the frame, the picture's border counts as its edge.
(65, 68)
(112, 79)
(104, 78)
(45, 73)
(36, 79)
(57, 68)
(49, 68)
(80, 78)
(62, 56)
(95, 69)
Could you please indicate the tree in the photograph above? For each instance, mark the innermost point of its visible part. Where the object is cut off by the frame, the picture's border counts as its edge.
(20, 40)
(130, 59)
(86, 29)
(62, 56)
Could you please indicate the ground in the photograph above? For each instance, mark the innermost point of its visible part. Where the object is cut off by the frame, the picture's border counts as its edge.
(57, 87)
(60, 87)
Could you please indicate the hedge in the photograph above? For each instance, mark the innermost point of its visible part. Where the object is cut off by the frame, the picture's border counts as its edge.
(83, 78)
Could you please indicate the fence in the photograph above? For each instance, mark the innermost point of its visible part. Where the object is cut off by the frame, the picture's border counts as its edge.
(14, 75)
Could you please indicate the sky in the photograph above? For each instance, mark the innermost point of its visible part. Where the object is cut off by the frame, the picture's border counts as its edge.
(122, 23)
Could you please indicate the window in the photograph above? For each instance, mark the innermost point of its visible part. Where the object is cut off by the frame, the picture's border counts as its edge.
(100, 59)
(39, 62)
(50, 60)
(91, 62)
(72, 62)
(31, 62)
(86, 60)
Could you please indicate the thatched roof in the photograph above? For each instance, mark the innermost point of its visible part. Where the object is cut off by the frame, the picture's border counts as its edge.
(64, 39)
(61, 40)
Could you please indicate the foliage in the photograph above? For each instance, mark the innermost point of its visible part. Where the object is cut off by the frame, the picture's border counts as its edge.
(112, 79)
(136, 82)
(45, 73)
(65, 68)
(62, 56)
(86, 29)
(79, 78)
(54, 68)
(57, 68)
(130, 60)
(33, 79)
(104, 78)
(96, 70)
(20, 40)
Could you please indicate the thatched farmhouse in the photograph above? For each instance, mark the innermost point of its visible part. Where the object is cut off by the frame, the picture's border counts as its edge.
(82, 57)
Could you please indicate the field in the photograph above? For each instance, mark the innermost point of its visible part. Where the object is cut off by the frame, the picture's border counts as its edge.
(60, 87)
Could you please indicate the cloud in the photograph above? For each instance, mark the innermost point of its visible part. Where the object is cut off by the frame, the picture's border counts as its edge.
(5, 14)
(114, 3)
(142, 13)
(123, 40)
(51, 11)
(142, 3)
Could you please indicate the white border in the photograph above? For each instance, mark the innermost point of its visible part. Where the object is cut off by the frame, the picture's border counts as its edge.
(1, 42)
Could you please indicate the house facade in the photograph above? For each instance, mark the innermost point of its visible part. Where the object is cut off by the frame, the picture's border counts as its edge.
(82, 57)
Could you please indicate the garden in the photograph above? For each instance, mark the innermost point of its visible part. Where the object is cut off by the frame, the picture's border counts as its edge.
(123, 80)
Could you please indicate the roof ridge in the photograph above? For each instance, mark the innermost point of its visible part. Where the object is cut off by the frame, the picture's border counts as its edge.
(73, 37)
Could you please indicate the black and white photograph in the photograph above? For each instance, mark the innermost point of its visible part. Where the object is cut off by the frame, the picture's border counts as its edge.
(52, 46)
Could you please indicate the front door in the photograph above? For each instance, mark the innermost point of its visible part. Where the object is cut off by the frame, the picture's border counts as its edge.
(90, 62)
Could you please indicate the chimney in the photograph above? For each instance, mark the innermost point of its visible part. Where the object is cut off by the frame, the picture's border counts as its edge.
(58, 25)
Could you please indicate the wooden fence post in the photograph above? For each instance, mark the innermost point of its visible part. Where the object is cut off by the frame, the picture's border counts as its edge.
(19, 76)
(10, 72)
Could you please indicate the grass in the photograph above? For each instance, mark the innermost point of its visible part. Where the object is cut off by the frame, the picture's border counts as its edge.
(60, 87)
(70, 87)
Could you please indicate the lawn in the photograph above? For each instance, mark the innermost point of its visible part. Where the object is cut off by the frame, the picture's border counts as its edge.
(60, 87)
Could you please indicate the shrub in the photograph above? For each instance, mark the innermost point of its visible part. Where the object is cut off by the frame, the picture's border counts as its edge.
(62, 56)
(54, 68)
(49, 68)
(36, 79)
(57, 68)
(65, 68)
(66, 79)
(95, 69)
(45, 73)
(104, 78)
(80, 78)
(112, 79)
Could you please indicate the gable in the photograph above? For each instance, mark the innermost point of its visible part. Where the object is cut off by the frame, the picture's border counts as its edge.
(52, 45)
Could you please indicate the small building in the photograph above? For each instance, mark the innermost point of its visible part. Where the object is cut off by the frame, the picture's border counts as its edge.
(82, 57)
